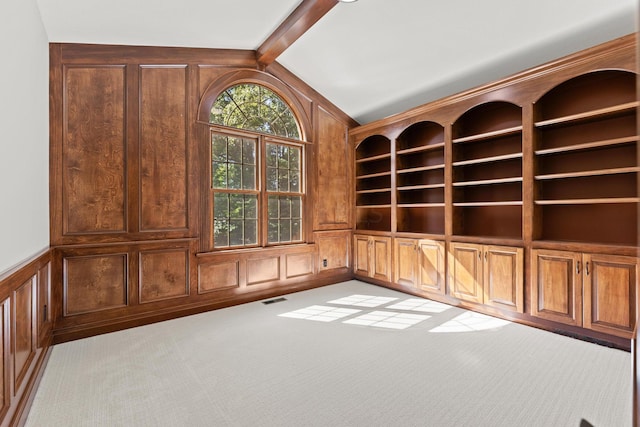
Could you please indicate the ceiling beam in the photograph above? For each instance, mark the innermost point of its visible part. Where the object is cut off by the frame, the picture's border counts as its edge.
(292, 28)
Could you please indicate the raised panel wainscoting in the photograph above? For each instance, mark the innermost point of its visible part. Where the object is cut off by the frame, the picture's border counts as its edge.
(131, 213)
(25, 334)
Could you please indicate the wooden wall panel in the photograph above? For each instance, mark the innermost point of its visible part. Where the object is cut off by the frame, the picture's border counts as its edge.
(223, 275)
(44, 303)
(297, 265)
(260, 270)
(5, 382)
(163, 148)
(93, 150)
(24, 337)
(334, 248)
(333, 174)
(95, 283)
(163, 274)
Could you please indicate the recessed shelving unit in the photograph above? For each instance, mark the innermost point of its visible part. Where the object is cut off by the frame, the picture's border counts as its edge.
(420, 179)
(487, 171)
(585, 147)
(373, 184)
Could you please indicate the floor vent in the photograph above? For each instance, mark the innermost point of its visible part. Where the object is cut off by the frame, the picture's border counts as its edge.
(271, 301)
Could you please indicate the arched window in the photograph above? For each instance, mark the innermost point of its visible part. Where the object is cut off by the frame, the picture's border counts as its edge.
(257, 177)
(256, 108)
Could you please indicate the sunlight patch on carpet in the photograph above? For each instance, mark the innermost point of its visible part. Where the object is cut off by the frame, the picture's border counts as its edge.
(387, 319)
(320, 313)
(363, 301)
(415, 304)
(470, 322)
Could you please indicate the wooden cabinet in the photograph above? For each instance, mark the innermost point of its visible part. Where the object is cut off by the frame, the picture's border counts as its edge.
(419, 263)
(485, 274)
(596, 291)
(372, 257)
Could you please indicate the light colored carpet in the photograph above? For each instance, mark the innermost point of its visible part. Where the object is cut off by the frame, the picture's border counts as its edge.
(286, 364)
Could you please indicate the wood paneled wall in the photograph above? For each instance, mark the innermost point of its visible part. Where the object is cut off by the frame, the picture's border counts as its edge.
(25, 334)
(129, 185)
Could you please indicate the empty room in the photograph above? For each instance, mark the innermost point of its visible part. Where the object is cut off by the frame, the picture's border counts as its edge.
(319, 213)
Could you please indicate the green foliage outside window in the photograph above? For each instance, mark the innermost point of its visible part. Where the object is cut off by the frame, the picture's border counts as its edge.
(256, 108)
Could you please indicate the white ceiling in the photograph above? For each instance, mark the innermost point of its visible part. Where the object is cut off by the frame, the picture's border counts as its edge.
(371, 58)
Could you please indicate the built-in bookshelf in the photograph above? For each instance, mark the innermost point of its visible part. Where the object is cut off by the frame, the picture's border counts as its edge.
(420, 165)
(586, 160)
(373, 184)
(487, 171)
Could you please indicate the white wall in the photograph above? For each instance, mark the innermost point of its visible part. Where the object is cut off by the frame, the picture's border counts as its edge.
(24, 132)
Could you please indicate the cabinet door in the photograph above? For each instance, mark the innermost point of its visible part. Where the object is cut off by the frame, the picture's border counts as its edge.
(556, 286)
(361, 255)
(431, 266)
(381, 258)
(503, 277)
(609, 286)
(465, 271)
(404, 254)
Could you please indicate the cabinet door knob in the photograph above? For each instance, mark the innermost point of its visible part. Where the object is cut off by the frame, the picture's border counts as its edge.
(578, 267)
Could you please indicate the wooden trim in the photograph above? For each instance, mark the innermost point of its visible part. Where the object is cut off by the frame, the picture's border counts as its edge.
(294, 285)
(292, 28)
(575, 61)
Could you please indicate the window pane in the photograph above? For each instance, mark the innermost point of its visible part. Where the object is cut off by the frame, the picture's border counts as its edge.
(295, 181)
(234, 177)
(248, 177)
(272, 231)
(283, 180)
(273, 207)
(296, 230)
(219, 148)
(272, 155)
(294, 158)
(221, 206)
(219, 175)
(283, 157)
(285, 230)
(235, 150)
(236, 232)
(220, 233)
(250, 232)
(249, 152)
(285, 207)
(236, 206)
(251, 207)
(296, 207)
(272, 179)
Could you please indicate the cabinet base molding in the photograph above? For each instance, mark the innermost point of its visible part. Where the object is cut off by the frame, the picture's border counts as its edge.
(85, 330)
(523, 319)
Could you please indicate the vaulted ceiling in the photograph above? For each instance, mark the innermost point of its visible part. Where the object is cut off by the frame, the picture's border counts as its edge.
(371, 58)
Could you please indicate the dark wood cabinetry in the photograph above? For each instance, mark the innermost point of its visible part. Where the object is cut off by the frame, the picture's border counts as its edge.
(544, 163)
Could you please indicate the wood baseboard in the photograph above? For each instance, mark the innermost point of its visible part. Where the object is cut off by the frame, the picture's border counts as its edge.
(85, 330)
